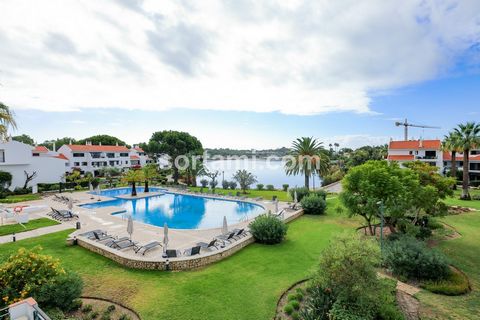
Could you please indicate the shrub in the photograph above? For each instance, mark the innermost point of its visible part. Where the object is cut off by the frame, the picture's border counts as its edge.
(299, 296)
(285, 187)
(225, 184)
(318, 304)
(476, 197)
(321, 193)
(268, 229)
(204, 183)
(87, 308)
(412, 259)
(19, 191)
(260, 186)
(313, 204)
(295, 304)
(288, 309)
(124, 316)
(111, 308)
(233, 185)
(55, 314)
(62, 292)
(292, 296)
(455, 284)
(295, 315)
(301, 192)
(106, 316)
(94, 314)
(270, 187)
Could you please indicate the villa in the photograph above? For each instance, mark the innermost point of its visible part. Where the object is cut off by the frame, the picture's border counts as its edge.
(430, 151)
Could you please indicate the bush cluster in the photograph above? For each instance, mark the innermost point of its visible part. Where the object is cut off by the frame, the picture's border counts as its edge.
(270, 187)
(30, 273)
(301, 192)
(313, 204)
(455, 284)
(285, 187)
(260, 186)
(410, 258)
(268, 229)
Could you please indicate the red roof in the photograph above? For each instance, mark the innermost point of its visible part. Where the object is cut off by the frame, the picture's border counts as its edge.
(134, 157)
(447, 156)
(139, 149)
(96, 148)
(416, 144)
(40, 149)
(61, 156)
(400, 157)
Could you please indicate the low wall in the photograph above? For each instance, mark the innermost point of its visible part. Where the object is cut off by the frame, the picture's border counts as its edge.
(173, 264)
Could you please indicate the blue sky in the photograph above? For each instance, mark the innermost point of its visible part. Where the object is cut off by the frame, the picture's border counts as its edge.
(240, 74)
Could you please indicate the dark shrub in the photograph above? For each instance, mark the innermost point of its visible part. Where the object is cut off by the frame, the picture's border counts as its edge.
(260, 186)
(313, 204)
(61, 292)
(412, 259)
(270, 187)
(233, 185)
(124, 317)
(455, 284)
(295, 304)
(288, 309)
(285, 187)
(19, 191)
(301, 192)
(321, 193)
(268, 229)
(225, 184)
(318, 304)
(204, 183)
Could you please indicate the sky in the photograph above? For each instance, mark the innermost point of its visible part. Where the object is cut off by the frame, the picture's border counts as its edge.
(240, 74)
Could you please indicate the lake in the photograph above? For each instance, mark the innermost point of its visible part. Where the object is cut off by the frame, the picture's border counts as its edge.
(266, 172)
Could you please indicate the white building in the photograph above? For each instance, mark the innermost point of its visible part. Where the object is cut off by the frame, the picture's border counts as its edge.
(18, 158)
(92, 158)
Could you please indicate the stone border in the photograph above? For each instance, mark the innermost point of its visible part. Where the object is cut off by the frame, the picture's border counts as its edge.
(284, 293)
(113, 302)
(172, 264)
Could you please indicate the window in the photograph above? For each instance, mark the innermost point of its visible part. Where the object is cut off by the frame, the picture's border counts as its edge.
(84, 164)
(66, 164)
(110, 155)
(76, 164)
(410, 152)
(36, 154)
(416, 152)
(475, 166)
(474, 152)
(77, 154)
(2, 155)
(126, 162)
(123, 154)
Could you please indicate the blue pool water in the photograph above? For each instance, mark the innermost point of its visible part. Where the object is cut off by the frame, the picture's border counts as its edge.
(180, 211)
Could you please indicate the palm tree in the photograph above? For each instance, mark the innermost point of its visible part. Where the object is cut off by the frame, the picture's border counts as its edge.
(195, 168)
(6, 120)
(149, 173)
(307, 157)
(469, 138)
(451, 143)
(133, 176)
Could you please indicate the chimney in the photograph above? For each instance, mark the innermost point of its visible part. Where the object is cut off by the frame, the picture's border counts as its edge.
(100, 143)
(420, 142)
(116, 143)
(53, 147)
(70, 141)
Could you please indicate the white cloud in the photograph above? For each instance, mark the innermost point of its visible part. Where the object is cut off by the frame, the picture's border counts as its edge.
(296, 57)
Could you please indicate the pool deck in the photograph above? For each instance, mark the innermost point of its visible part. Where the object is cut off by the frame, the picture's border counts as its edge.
(116, 225)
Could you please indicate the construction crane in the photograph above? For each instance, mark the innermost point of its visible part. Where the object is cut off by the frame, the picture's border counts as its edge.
(406, 124)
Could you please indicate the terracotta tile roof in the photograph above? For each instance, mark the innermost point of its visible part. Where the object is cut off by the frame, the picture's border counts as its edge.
(40, 149)
(61, 156)
(447, 156)
(416, 144)
(139, 149)
(96, 148)
(400, 157)
(134, 157)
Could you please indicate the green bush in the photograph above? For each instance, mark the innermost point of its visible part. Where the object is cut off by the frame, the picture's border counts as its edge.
(268, 229)
(270, 187)
(410, 258)
(301, 192)
(321, 193)
(87, 308)
(295, 304)
(204, 183)
(124, 316)
(111, 308)
(260, 186)
(233, 185)
(455, 284)
(55, 314)
(295, 315)
(313, 204)
(288, 309)
(292, 296)
(285, 187)
(225, 184)
(299, 296)
(61, 292)
(318, 303)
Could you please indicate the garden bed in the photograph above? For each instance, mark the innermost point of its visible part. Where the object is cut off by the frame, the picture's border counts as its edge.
(295, 292)
(96, 308)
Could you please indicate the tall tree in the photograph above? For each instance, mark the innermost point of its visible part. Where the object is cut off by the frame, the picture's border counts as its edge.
(245, 179)
(451, 143)
(469, 138)
(193, 169)
(7, 119)
(174, 144)
(24, 138)
(133, 177)
(58, 142)
(307, 157)
(103, 139)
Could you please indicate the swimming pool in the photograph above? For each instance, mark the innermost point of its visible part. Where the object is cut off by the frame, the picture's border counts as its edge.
(180, 211)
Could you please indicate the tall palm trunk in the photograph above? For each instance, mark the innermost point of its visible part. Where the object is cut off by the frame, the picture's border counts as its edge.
(465, 193)
(146, 187)
(307, 180)
(134, 190)
(453, 172)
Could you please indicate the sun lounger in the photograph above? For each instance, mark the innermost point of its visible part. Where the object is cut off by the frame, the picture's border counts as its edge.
(172, 253)
(145, 248)
(90, 235)
(226, 237)
(124, 245)
(211, 244)
(101, 236)
(192, 251)
(239, 232)
(114, 241)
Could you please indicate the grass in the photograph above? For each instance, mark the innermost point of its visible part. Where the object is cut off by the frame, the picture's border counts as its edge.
(454, 285)
(463, 253)
(253, 193)
(455, 200)
(20, 198)
(244, 286)
(31, 225)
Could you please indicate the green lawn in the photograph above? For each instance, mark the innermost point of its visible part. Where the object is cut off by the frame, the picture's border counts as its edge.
(464, 253)
(20, 198)
(455, 201)
(31, 225)
(265, 194)
(244, 286)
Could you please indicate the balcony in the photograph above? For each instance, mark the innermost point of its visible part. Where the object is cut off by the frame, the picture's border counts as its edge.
(426, 158)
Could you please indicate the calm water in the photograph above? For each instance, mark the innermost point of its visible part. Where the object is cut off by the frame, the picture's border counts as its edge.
(272, 172)
(180, 211)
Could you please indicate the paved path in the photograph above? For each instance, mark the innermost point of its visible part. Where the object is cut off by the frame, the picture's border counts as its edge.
(335, 187)
(36, 232)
